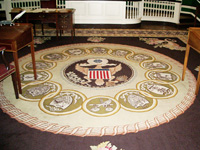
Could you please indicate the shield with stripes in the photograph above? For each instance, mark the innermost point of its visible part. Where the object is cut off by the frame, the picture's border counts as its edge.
(99, 74)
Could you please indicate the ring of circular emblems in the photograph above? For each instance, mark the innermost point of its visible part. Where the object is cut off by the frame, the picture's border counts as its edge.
(103, 70)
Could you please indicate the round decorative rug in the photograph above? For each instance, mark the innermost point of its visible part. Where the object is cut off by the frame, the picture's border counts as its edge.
(98, 89)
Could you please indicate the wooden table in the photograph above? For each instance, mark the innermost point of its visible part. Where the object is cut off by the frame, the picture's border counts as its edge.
(63, 18)
(14, 38)
(193, 42)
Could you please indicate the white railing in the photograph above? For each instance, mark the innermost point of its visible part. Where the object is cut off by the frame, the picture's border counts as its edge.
(167, 11)
(26, 4)
(153, 10)
(60, 3)
(132, 10)
(8, 5)
(2, 6)
(132, 13)
(135, 11)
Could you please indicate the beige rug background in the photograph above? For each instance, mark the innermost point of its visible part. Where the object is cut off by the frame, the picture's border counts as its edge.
(80, 123)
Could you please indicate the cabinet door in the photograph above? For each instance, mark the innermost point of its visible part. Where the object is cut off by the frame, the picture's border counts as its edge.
(49, 18)
(65, 21)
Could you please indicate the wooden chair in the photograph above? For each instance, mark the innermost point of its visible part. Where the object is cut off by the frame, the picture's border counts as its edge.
(197, 13)
(7, 70)
(198, 82)
(194, 43)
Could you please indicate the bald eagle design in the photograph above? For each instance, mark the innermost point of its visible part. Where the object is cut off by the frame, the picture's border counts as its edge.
(98, 73)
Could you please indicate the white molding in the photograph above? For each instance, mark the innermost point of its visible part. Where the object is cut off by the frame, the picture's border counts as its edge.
(95, 12)
(189, 7)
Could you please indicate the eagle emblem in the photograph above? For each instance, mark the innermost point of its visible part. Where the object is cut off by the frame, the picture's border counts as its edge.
(98, 72)
(102, 70)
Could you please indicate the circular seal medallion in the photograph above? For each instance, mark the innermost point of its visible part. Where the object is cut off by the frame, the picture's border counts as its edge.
(98, 72)
(101, 106)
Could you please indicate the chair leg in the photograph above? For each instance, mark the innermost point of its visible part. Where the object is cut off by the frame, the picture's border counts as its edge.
(185, 61)
(61, 32)
(198, 83)
(14, 80)
(34, 30)
(42, 25)
(73, 34)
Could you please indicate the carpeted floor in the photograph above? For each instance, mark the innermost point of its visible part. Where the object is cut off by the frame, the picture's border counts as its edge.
(181, 133)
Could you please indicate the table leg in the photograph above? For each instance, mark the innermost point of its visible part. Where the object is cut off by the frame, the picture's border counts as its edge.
(61, 32)
(33, 59)
(34, 30)
(57, 32)
(198, 83)
(185, 61)
(42, 26)
(73, 34)
(14, 80)
(15, 56)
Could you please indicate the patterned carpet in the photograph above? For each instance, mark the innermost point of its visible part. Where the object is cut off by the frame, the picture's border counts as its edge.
(127, 106)
(93, 33)
(96, 89)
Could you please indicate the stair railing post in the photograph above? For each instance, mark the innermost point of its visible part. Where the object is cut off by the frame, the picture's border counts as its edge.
(177, 12)
(141, 9)
(8, 9)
